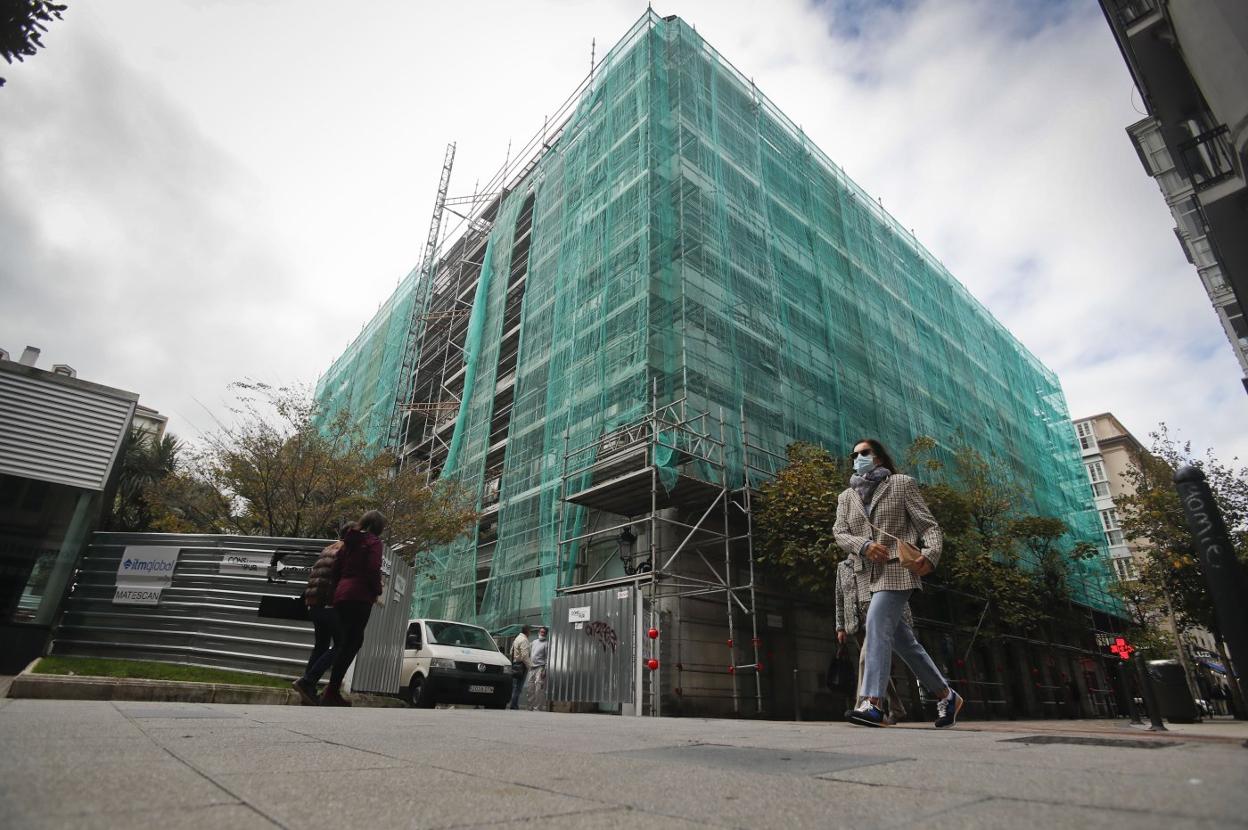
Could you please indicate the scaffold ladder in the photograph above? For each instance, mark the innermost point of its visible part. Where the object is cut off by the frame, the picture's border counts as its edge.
(418, 317)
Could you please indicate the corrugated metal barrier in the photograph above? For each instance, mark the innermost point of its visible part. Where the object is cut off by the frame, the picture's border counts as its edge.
(208, 610)
(593, 640)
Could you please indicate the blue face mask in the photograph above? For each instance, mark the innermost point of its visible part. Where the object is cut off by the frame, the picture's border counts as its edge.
(861, 465)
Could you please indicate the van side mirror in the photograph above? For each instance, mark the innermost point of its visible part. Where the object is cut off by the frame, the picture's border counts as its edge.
(413, 642)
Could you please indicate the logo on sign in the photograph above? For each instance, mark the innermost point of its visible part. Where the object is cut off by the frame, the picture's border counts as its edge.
(154, 566)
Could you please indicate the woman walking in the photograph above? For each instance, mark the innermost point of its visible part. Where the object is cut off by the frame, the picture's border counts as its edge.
(357, 571)
(880, 520)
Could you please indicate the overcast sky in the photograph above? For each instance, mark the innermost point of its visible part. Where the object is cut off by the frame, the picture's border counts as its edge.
(193, 192)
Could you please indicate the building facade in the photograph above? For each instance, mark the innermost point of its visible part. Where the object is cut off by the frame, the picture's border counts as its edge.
(60, 438)
(1189, 59)
(634, 323)
(1108, 449)
(1109, 452)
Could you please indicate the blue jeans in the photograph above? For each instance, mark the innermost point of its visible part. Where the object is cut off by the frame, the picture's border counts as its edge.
(886, 633)
(517, 686)
(327, 629)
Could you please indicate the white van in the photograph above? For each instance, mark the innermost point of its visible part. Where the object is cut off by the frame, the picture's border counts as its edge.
(453, 662)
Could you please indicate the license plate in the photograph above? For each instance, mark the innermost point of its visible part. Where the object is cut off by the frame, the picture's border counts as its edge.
(481, 690)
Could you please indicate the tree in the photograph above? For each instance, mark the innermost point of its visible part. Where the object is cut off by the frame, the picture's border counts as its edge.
(1172, 579)
(794, 518)
(276, 472)
(145, 462)
(22, 24)
(976, 503)
(1152, 516)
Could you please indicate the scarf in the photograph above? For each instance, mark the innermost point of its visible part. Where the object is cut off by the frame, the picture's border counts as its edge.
(866, 483)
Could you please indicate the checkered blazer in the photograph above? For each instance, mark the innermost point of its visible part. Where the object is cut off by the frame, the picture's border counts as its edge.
(896, 509)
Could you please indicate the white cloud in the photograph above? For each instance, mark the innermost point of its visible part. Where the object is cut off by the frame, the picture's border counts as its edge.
(190, 192)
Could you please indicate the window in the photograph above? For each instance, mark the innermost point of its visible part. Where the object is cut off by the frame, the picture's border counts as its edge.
(1187, 215)
(1114, 538)
(1087, 439)
(1100, 489)
(1096, 471)
(1109, 518)
(1201, 252)
(1125, 569)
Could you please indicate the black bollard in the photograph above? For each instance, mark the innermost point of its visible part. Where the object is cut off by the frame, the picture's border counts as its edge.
(1228, 584)
(1132, 709)
(1150, 698)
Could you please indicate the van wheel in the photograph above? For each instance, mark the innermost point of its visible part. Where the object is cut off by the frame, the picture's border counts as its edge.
(418, 694)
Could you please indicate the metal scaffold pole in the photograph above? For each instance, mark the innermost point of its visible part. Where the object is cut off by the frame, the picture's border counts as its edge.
(749, 546)
(407, 366)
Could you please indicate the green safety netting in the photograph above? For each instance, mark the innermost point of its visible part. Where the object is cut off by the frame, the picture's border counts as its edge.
(472, 354)
(364, 379)
(684, 235)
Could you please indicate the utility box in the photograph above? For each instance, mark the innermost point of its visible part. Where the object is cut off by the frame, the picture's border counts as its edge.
(1173, 694)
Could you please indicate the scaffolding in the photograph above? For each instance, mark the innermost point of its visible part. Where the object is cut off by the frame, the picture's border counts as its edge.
(658, 473)
(670, 243)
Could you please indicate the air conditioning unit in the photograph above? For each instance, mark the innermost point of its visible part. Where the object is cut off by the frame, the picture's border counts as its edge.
(64, 369)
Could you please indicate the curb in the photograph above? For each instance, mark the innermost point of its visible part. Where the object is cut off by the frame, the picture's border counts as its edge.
(33, 686)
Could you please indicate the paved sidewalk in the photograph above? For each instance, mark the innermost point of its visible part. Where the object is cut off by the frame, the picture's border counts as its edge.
(181, 765)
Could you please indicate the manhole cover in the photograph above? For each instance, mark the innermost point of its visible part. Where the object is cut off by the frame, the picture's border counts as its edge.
(1131, 743)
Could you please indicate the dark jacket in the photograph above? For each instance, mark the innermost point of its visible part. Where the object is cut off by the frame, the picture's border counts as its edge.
(357, 568)
(320, 590)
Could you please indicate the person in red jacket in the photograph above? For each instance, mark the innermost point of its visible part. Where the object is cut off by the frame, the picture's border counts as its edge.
(357, 574)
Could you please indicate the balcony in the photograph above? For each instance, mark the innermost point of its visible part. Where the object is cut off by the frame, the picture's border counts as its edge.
(1208, 158)
(1131, 12)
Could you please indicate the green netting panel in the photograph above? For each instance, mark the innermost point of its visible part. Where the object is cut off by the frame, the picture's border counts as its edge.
(687, 237)
(364, 379)
(472, 355)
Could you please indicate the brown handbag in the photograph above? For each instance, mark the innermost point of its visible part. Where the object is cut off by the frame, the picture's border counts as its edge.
(911, 558)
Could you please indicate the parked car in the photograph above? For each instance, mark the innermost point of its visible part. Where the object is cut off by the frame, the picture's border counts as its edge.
(453, 662)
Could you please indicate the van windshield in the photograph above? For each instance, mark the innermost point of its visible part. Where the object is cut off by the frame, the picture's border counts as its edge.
(458, 634)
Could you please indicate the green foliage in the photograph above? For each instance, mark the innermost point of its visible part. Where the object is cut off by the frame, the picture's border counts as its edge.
(22, 24)
(1022, 563)
(1152, 517)
(795, 514)
(145, 463)
(273, 472)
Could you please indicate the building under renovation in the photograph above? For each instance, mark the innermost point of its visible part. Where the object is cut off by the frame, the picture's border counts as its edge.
(620, 337)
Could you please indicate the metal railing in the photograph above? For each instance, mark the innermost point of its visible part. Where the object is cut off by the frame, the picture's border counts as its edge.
(1129, 12)
(1208, 158)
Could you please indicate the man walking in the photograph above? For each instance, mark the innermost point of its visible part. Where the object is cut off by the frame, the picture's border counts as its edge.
(537, 677)
(521, 662)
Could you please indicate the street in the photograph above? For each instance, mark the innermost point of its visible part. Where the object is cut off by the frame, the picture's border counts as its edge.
(175, 765)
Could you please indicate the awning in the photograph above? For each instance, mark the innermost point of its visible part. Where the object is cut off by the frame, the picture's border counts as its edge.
(1218, 667)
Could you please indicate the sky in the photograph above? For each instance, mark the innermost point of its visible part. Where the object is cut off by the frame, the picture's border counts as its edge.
(194, 192)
